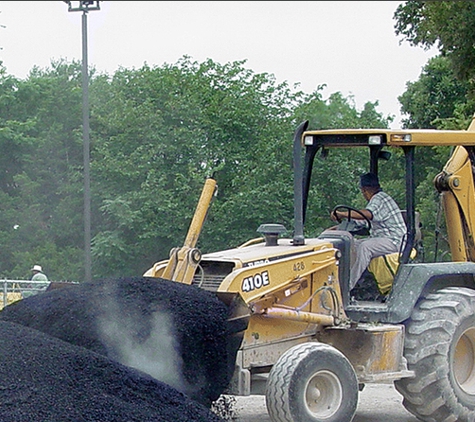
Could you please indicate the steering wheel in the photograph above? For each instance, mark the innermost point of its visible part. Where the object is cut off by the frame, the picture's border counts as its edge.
(349, 224)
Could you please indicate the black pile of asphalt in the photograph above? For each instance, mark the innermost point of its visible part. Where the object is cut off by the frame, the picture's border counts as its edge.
(135, 349)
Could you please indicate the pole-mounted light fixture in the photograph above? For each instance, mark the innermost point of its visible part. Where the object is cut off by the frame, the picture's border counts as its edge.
(82, 6)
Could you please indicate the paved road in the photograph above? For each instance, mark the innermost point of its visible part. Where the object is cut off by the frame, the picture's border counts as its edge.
(377, 403)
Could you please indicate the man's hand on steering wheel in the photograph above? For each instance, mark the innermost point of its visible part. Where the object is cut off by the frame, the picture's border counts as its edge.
(342, 214)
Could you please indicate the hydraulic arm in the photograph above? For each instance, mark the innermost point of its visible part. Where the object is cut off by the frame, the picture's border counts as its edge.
(183, 261)
(455, 183)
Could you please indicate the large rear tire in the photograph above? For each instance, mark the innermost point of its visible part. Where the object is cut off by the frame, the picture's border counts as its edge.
(312, 382)
(440, 348)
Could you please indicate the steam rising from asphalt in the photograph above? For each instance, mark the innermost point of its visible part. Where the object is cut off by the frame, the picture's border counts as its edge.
(157, 354)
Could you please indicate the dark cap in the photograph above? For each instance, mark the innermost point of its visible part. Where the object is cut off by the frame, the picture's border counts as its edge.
(369, 180)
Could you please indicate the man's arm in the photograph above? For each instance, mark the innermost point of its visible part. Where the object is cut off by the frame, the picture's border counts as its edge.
(339, 215)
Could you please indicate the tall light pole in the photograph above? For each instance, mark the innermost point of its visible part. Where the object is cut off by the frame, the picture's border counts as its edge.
(85, 7)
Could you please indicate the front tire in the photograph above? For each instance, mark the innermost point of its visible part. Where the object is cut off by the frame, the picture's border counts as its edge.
(440, 348)
(312, 382)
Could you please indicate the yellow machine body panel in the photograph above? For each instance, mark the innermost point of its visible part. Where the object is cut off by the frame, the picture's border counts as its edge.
(292, 293)
(375, 351)
(299, 288)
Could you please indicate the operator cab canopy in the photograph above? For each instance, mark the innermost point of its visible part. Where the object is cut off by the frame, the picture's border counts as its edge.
(381, 144)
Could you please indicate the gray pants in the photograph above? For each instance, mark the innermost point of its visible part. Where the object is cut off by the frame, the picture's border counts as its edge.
(366, 250)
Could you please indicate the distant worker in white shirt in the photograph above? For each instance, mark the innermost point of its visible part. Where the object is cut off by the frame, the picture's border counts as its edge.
(38, 275)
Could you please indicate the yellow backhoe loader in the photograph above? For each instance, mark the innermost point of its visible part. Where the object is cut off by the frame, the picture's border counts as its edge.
(306, 344)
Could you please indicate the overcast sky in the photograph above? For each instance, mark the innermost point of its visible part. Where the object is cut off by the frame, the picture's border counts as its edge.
(350, 46)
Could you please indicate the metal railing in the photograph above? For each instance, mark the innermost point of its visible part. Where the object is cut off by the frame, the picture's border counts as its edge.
(13, 290)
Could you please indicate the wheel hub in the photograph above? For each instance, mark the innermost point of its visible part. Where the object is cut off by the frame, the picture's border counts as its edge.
(464, 361)
(324, 394)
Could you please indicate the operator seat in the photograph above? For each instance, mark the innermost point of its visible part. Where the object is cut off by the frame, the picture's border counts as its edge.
(384, 268)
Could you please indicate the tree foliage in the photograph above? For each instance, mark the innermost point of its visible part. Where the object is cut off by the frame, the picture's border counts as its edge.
(156, 134)
(443, 97)
(436, 98)
(40, 168)
(447, 25)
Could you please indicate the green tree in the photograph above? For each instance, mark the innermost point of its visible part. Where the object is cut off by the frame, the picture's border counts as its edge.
(442, 98)
(436, 98)
(170, 128)
(447, 25)
(159, 132)
(156, 134)
(40, 169)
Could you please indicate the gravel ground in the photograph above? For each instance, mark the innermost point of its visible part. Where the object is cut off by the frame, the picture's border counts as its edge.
(69, 354)
(377, 403)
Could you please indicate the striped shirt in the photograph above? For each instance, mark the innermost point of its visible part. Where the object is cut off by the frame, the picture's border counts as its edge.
(387, 218)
